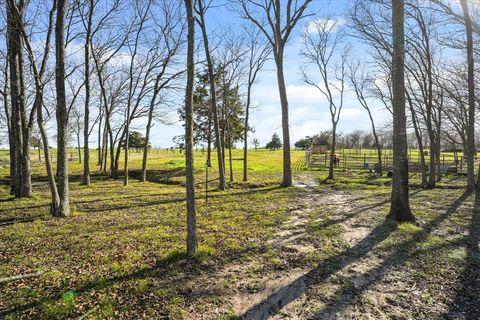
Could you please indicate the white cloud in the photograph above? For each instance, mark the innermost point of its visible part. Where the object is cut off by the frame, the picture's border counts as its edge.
(330, 25)
(304, 94)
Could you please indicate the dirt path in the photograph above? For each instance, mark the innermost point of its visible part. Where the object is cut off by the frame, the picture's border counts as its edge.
(297, 293)
(329, 260)
(292, 284)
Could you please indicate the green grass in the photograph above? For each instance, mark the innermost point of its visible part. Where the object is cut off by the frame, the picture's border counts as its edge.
(118, 232)
(123, 248)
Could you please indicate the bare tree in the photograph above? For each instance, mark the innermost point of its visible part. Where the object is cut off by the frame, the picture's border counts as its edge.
(61, 111)
(169, 42)
(422, 57)
(190, 179)
(471, 97)
(257, 56)
(322, 40)
(39, 77)
(20, 125)
(400, 206)
(371, 21)
(361, 82)
(75, 126)
(200, 10)
(276, 22)
(86, 132)
(104, 48)
(231, 71)
(133, 49)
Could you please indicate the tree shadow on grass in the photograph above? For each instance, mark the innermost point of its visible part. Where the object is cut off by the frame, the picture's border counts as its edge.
(467, 301)
(169, 200)
(160, 176)
(286, 294)
(165, 270)
(406, 252)
(14, 220)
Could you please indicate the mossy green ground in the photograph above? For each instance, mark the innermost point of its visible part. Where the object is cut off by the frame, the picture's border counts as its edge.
(122, 251)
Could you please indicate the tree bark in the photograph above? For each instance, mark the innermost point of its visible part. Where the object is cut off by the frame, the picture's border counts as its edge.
(38, 102)
(99, 138)
(418, 135)
(377, 143)
(287, 166)
(229, 138)
(143, 176)
(86, 132)
(209, 141)
(13, 48)
(79, 149)
(332, 151)
(245, 135)
(48, 161)
(400, 206)
(471, 97)
(190, 179)
(213, 98)
(26, 180)
(61, 111)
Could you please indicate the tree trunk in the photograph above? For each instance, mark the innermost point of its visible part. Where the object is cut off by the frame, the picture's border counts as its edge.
(86, 133)
(118, 153)
(432, 162)
(287, 167)
(46, 150)
(190, 179)
(418, 135)
(400, 206)
(209, 141)
(105, 149)
(213, 96)
(438, 151)
(99, 143)
(377, 143)
(26, 180)
(61, 111)
(245, 135)
(471, 98)
(229, 137)
(79, 148)
(223, 130)
(143, 176)
(7, 109)
(125, 164)
(332, 151)
(15, 122)
(113, 168)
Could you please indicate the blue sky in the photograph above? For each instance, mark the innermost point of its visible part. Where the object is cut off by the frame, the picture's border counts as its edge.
(308, 108)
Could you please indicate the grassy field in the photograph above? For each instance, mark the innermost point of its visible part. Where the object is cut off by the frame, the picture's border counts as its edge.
(323, 246)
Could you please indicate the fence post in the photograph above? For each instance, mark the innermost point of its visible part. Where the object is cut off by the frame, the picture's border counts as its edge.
(443, 159)
(364, 159)
(326, 159)
(461, 163)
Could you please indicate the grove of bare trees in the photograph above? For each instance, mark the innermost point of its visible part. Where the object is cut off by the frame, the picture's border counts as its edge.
(93, 72)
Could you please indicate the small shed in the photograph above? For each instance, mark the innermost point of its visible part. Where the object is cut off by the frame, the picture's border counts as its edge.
(319, 148)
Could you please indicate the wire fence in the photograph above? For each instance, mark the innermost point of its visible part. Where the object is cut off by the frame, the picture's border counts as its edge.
(367, 158)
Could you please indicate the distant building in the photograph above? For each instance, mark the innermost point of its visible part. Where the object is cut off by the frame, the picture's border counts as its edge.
(318, 148)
